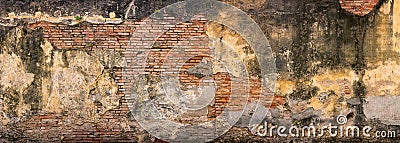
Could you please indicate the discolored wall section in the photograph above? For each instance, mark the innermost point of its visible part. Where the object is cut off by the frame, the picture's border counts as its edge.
(62, 79)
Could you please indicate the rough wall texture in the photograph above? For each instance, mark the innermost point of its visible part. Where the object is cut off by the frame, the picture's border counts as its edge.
(63, 79)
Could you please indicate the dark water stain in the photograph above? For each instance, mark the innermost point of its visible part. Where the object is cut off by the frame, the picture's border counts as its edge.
(32, 57)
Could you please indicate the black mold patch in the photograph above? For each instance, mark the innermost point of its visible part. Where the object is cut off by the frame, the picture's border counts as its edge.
(12, 102)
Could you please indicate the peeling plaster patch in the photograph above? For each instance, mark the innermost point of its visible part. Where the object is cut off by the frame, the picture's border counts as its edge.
(64, 94)
(81, 61)
(70, 82)
(13, 74)
(18, 80)
(77, 86)
(383, 80)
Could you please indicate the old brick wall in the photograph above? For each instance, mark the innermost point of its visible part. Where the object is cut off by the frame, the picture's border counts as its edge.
(116, 38)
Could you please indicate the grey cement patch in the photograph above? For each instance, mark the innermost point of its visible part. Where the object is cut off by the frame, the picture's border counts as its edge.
(384, 108)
